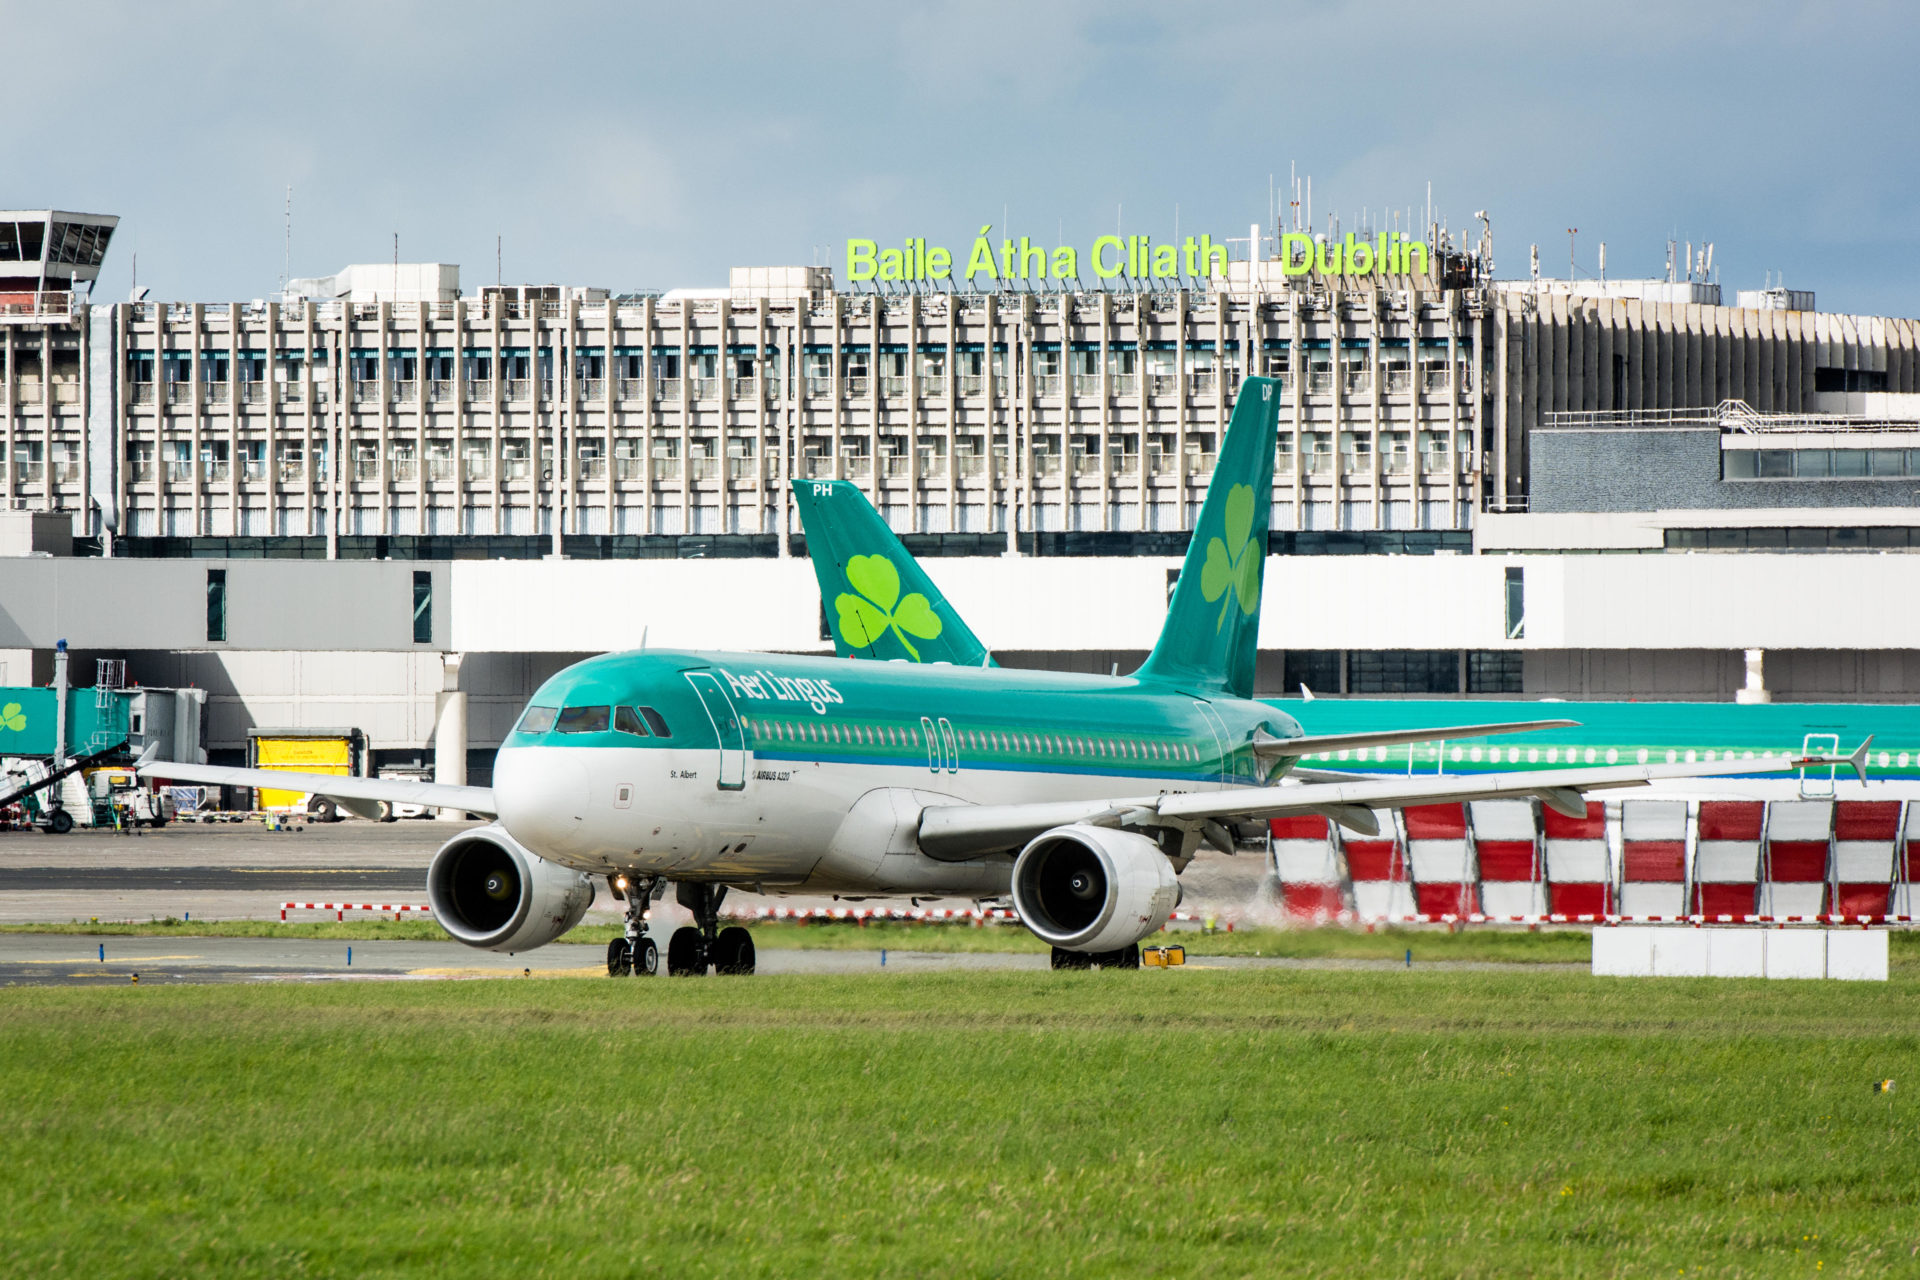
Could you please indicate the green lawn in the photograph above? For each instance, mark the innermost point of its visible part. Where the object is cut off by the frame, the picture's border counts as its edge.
(1197, 1123)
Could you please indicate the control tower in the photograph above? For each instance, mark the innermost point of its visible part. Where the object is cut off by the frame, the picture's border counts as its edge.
(46, 257)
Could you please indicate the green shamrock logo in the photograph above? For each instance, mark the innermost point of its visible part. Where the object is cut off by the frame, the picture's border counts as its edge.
(1235, 575)
(11, 717)
(866, 617)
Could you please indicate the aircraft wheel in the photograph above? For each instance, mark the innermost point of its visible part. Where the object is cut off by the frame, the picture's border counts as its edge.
(1065, 959)
(733, 951)
(1125, 957)
(322, 809)
(59, 822)
(646, 958)
(619, 958)
(686, 953)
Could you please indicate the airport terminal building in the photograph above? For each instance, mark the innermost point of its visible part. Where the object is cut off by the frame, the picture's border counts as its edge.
(407, 494)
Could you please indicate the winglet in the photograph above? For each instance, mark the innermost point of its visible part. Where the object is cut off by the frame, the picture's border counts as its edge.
(1859, 759)
(149, 755)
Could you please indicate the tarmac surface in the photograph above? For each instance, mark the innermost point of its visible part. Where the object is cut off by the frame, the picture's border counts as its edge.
(244, 871)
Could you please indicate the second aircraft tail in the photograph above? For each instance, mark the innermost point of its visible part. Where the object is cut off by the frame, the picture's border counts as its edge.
(1213, 625)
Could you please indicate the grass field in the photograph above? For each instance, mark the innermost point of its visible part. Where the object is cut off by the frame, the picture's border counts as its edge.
(1197, 1123)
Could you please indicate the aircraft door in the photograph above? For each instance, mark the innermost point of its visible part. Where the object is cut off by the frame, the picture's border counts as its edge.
(732, 734)
(1218, 730)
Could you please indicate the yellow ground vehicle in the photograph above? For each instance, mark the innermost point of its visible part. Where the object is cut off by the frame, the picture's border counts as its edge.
(335, 751)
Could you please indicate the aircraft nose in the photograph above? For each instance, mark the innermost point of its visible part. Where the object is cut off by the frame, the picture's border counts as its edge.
(541, 793)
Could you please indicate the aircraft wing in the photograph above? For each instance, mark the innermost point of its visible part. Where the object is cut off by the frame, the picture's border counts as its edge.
(1268, 747)
(357, 795)
(960, 831)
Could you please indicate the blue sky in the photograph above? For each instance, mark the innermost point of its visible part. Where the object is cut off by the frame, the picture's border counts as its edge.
(638, 146)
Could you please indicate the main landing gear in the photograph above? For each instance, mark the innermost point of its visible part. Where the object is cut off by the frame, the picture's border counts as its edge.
(695, 948)
(636, 952)
(1124, 958)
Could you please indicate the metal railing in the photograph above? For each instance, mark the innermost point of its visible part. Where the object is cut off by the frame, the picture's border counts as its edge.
(477, 466)
(855, 387)
(366, 392)
(441, 468)
(859, 468)
(517, 391)
(631, 389)
(704, 388)
(1122, 384)
(743, 389)
(932, 386)
(1046, 384)
(892, 387)
(589, 388)
(140, 393)
(516, 467)
(139, 469)
(666, 389)
(479, 389)
(629, 468)
(213, 393)
(1201, 382)
(440, 390)
(593, 468)
(402, 469)
(816, 466)
(699, 468)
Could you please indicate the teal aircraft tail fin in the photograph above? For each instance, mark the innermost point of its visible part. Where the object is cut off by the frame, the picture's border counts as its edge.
(1213, 625)
(879, 601)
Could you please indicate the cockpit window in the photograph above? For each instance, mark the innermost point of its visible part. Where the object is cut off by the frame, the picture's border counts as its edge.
(583, 720)
(656, 722)
(538, 719)
(627, 720)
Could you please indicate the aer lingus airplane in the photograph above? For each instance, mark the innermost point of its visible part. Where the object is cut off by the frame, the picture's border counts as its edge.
(1080, 797)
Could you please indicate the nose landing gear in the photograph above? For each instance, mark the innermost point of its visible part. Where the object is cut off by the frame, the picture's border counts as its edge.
(695, 948)
(636, 952)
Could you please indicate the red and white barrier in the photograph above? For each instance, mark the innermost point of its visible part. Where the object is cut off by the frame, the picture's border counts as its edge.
(1866, 838)
(1437, 855)
(1799, 850)
(1653, 857)
(339, 908)
(1506, 843)
(1377, 867)
(1906, 893)
(1726, 859)
(1579, 872)
(1307, 868)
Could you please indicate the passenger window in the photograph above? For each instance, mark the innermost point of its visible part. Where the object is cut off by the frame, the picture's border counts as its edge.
(627, 720)
(583, 720)
(656, 722)
(537, 719)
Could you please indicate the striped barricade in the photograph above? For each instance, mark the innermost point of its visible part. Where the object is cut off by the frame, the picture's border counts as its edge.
(1377, 869)
(1726, 860)
(1506, 841)
(340, 909)
(1579, 871)
(1307, 868)
(1866, 840)
(1799, 853)
(1440, 861)
(1653, 858)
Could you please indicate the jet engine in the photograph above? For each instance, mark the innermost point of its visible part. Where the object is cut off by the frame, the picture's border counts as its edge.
(1086, 888)
(488, 891)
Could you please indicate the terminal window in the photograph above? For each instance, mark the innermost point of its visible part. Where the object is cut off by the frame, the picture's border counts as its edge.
(217, 605)
(422, 606)
(1403, 671)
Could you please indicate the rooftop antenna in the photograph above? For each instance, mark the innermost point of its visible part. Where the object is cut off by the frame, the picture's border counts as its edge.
(286, 266)
(396, 265)
(1572, 265)
(1603, 262)
(496, 262)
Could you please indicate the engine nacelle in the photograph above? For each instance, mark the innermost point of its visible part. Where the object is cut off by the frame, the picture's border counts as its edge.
(488, 891)
(1086, 888)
